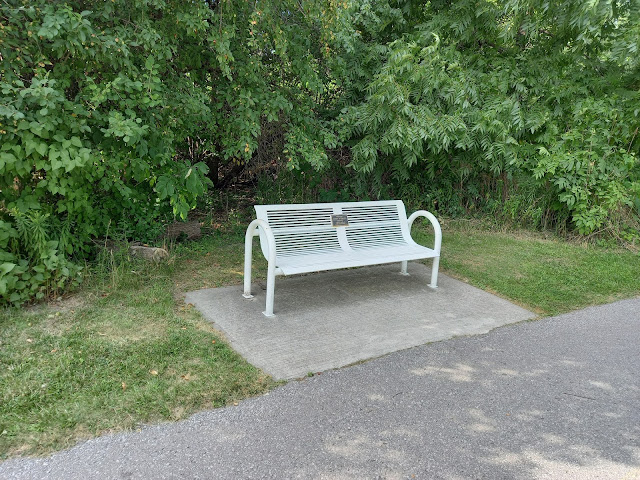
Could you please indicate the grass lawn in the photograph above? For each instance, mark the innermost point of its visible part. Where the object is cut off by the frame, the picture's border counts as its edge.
(125, 350)
(122, 352)
(544, 274)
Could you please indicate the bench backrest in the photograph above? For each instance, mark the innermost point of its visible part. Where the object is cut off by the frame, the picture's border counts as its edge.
(303, 229)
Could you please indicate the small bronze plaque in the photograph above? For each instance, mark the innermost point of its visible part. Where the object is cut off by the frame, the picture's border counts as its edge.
(339, 221)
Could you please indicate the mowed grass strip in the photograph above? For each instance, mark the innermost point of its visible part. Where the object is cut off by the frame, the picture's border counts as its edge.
(119, 354)
(547, 275)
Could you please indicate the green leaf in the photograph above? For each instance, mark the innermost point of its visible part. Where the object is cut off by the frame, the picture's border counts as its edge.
(6, 268)
(42, 148)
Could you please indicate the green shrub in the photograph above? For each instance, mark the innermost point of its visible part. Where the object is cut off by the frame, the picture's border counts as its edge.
(39, 267)
(464, 100)
(99, 102)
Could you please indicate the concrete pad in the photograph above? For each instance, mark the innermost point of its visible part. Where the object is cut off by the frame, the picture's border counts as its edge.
(332, 319)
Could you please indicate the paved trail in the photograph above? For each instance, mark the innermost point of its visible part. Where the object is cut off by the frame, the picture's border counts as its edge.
(557, 398)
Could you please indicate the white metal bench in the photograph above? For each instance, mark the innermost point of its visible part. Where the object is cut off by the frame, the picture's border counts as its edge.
(303, 238)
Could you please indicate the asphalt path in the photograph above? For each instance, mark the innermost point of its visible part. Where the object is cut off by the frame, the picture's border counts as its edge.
(557, 398)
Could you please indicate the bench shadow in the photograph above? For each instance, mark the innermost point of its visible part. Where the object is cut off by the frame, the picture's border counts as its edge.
(344, 288)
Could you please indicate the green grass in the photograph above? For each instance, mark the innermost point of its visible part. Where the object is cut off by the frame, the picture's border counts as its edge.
(122, 352)
(125, 350)
(544, 274)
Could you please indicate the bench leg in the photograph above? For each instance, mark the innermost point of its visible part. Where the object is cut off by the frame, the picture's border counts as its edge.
(247, 264)
(247, 280)
(434, 273)
(271, 286)
(403, 268)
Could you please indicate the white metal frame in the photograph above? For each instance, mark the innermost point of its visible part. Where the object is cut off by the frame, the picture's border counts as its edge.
(437, 243)
(272, 271)
(409, 250)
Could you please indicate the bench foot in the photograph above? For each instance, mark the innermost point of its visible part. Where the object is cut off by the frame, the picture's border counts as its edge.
(247, 295)
(434, 287)
(268, 315)
(434, 273)
(405, 274)
(403, 267)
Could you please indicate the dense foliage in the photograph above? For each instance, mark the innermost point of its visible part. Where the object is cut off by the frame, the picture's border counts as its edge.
(117, 116)
(114, 114)
(535, 101)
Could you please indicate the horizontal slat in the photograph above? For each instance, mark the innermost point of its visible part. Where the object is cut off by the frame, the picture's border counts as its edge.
(302, 246)
(375, 235)
(299, 216)
(370, 224)
(372, 213)
(328, 233)
(373, 232)
(383, 227)
(389, 210)
(301, 242)
(293, 231)
(306, 253)
(377, 239)
(315, 206)
(306, 246)
(371, 219)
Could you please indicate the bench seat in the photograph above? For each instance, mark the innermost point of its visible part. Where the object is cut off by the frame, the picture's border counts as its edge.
(294, 264)
(304, 238)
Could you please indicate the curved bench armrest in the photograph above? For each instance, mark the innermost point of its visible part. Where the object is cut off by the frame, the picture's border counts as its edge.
(436, 227)
(251, 232)
(248, 251)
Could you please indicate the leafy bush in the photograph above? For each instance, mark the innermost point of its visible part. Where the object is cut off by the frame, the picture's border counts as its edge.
(121, 114)
(46, 270)
(472, 94)
(99, 99)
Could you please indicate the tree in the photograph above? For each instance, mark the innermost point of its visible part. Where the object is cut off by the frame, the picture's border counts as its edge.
(479, 95)
(98, 100)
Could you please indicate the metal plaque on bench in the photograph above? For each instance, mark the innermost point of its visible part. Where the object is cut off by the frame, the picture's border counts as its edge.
(339, 221)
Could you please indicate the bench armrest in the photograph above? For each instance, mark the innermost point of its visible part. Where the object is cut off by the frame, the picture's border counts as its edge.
(434, 222)
(252, 230)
